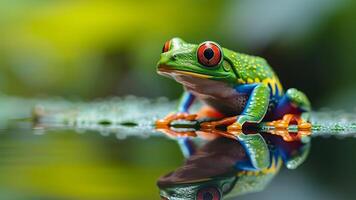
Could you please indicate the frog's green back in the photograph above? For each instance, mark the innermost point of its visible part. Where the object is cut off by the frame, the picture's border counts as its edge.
(253, 69)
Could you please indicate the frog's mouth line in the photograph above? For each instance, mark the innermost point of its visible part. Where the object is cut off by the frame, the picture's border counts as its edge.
(164, 70)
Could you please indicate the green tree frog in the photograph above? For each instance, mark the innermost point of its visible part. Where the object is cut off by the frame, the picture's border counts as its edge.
(237, 88)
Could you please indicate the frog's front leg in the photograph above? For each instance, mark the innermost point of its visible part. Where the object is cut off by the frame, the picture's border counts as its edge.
(256, 107)
(253, 112)
(182, 111)
(186, 145)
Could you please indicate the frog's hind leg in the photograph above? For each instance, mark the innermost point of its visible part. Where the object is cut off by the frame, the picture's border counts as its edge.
(293, 108)
(209, 112)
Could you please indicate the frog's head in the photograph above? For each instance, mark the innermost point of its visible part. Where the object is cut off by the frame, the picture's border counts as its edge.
(211, 189)
(206, 60)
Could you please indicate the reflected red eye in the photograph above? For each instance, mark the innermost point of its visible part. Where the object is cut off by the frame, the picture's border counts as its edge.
(166, 46)
(210, 193)
(209, 54)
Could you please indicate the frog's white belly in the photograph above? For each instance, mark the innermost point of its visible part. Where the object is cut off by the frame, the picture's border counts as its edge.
(219, 95)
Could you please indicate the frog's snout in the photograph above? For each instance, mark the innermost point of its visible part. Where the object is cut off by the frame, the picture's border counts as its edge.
(162, 65)
(164, 59)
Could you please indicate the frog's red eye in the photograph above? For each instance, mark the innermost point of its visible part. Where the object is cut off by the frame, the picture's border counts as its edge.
(209, 193)
(209, 54)
(166, 46)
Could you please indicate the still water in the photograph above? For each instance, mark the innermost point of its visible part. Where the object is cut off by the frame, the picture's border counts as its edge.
(67, 164)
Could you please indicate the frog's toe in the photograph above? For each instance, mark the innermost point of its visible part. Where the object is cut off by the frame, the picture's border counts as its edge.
(235, 127)
(212, 125)
(165, 122)
(279, 124)
(162, 123)
(290, 119)
(282, 123)
(304, 125)
(281, 127)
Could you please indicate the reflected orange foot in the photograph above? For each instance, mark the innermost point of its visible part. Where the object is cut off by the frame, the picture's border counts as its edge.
(289, 119)
(233, 128)
(174, 134)
(290, 137)
(165, 122)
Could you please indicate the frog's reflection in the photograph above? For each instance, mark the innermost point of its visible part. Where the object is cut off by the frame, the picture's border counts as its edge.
(223, 167)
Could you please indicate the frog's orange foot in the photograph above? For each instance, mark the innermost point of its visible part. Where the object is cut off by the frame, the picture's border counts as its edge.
(235, 127)
(290, 119)
(214, 124)
(232, 130)
(165, 122)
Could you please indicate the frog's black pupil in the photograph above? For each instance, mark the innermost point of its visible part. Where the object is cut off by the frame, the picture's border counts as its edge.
(207, 196)
(208, 53)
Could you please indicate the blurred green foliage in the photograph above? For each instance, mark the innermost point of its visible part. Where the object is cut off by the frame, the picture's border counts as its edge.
(90, 48)
(103, 48)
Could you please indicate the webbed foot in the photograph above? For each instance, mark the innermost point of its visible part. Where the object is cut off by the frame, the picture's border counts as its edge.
(290, 119)
(165, 122)
(233, 127)
(213, 124)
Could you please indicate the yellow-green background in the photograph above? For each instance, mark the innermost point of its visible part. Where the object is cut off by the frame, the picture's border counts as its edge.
(91, 49)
